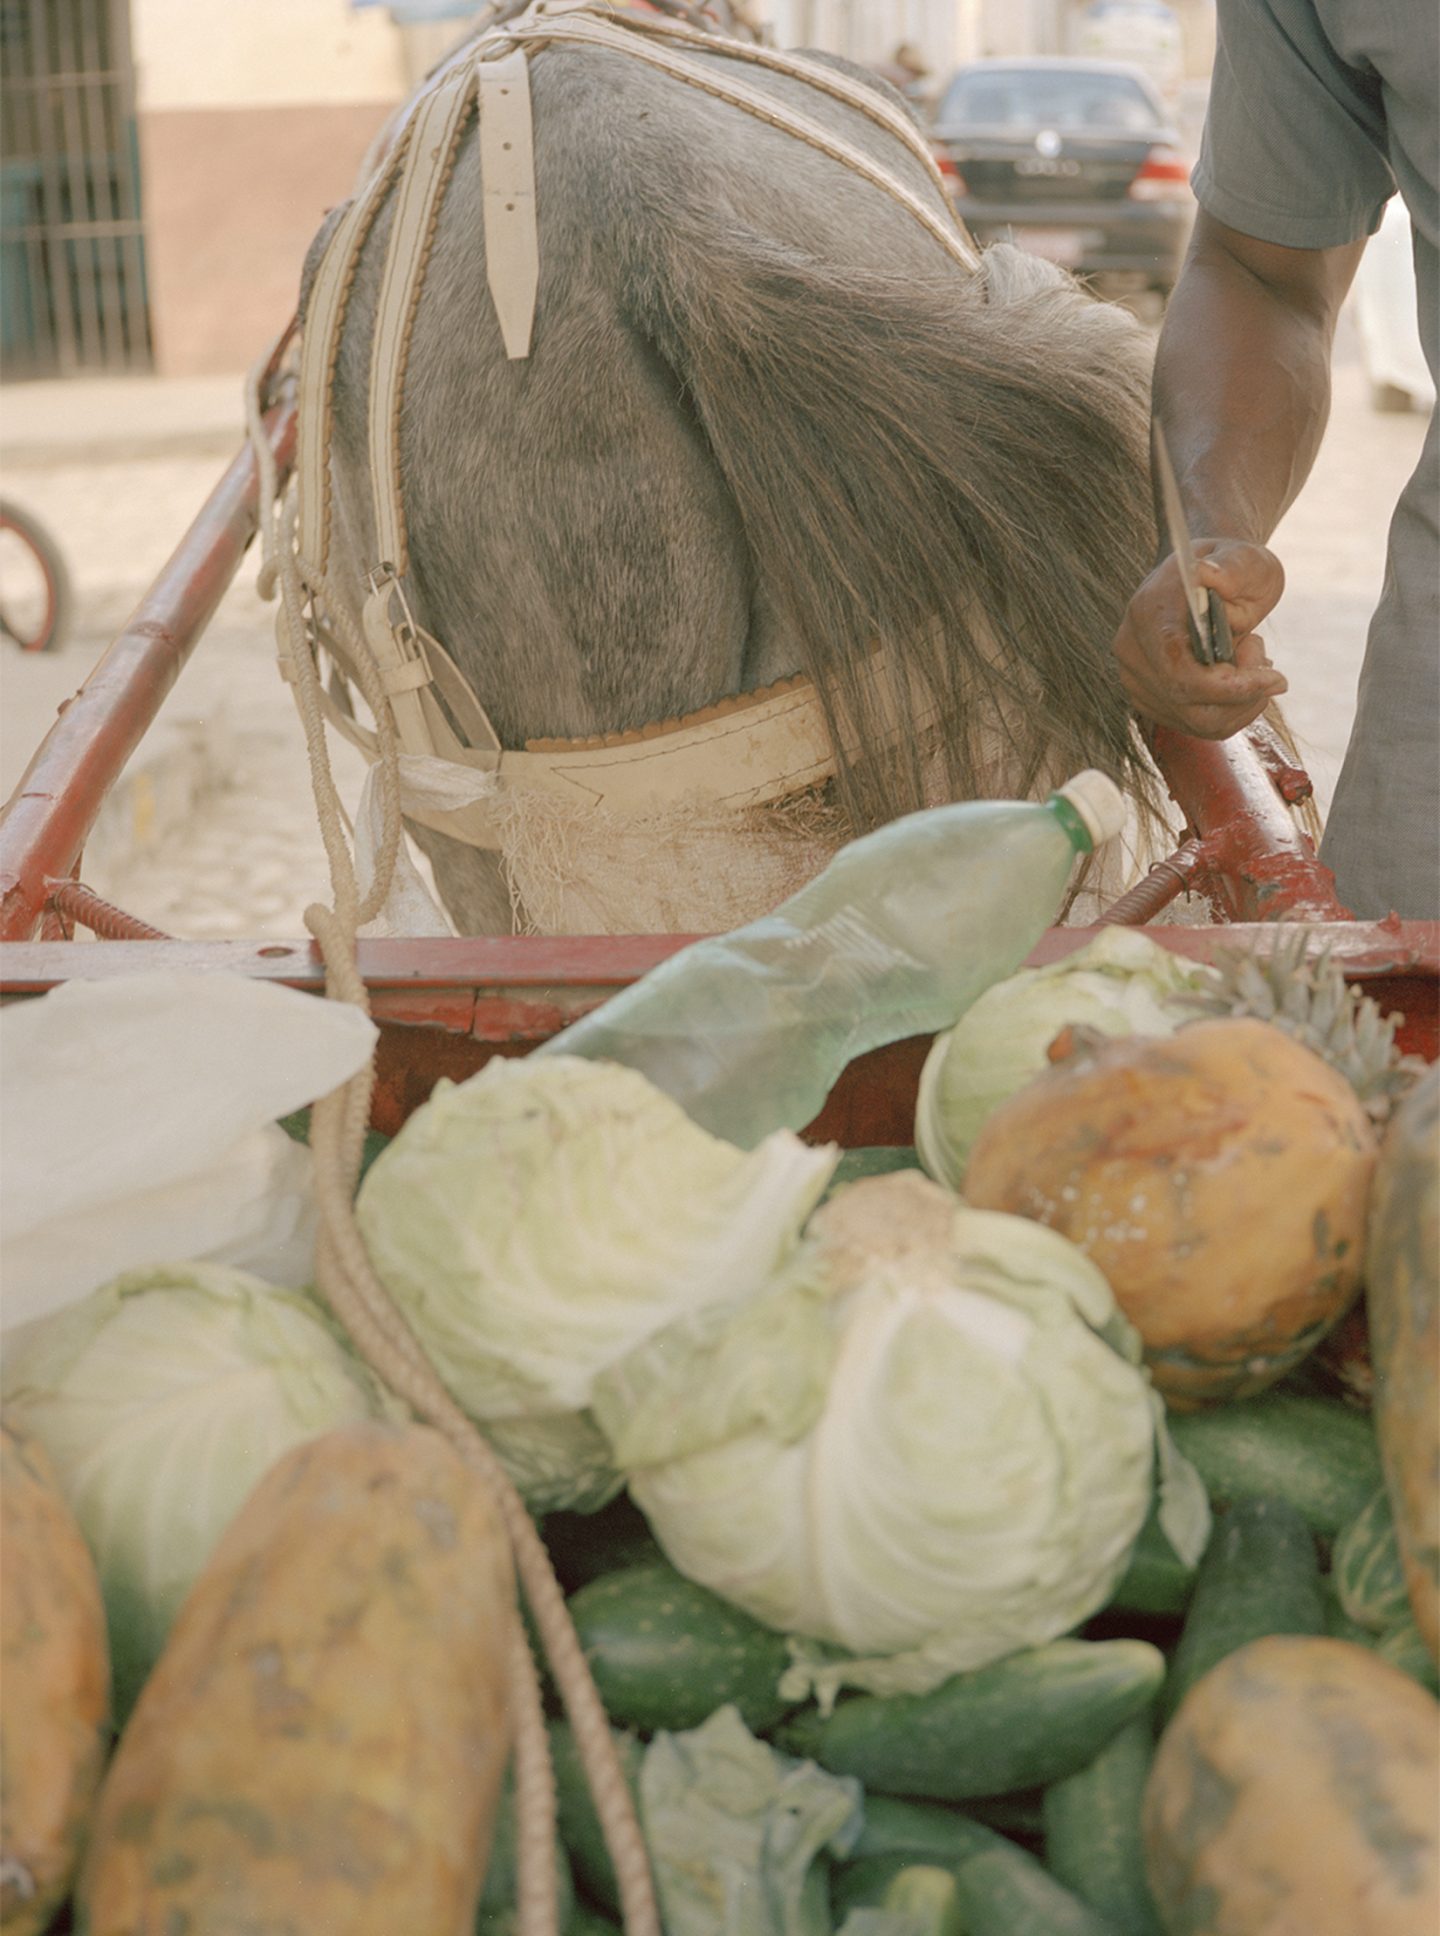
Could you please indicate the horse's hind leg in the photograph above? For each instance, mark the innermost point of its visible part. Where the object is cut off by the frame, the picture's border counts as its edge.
(471, 882)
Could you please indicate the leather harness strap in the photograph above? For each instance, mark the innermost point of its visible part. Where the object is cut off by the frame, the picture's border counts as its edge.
(634, 39)
(319, 346)
(507, 175)
(434, 134)
(755, 750)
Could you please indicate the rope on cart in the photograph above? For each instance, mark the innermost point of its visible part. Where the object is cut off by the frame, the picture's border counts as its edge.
(360, 1301)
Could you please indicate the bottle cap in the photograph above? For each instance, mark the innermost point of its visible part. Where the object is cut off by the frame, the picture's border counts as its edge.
(1099, 803)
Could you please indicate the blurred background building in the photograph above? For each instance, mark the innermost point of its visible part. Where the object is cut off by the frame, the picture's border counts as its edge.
(164, 163)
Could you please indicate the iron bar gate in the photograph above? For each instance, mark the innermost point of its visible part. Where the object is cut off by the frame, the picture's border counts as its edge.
(72, 261)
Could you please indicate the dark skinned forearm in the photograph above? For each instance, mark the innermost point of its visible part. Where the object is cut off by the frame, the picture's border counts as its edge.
(1242, 389)
(1242, 375)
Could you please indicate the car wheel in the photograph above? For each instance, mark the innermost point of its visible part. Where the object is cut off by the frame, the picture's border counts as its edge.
(1389, 399)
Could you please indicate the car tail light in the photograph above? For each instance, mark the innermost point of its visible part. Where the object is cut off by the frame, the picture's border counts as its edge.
(1163, 176)
(954, 181)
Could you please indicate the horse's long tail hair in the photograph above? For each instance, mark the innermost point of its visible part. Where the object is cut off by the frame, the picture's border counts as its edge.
(956, 472)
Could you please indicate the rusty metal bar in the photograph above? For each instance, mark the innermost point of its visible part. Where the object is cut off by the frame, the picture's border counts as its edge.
(1259, 864)
(1165, 882)
(54, 807)
(73, 901)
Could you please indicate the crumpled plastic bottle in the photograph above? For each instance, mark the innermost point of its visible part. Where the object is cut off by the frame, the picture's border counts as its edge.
(898, 935)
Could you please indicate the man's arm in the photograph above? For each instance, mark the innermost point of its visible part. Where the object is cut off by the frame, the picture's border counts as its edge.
(1242, 390)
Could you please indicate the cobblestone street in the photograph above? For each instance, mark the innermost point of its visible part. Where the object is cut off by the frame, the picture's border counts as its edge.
(213, 834)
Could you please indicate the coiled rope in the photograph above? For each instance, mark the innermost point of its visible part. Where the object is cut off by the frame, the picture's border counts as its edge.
(347, 1280)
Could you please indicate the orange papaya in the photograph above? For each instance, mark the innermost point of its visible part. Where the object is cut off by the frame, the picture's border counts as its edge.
(321, 1744)
(1403, 1296)
(1297, 1793)
(54, 1714)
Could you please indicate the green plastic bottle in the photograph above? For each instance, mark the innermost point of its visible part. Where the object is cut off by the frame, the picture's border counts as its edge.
(898, 935)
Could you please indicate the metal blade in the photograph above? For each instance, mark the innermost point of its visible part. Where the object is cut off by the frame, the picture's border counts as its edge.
(1179, 534)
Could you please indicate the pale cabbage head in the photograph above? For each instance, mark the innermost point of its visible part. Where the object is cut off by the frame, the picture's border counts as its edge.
(930, 1445)
(162, 1399)
(544, 1218)
(1121, 983)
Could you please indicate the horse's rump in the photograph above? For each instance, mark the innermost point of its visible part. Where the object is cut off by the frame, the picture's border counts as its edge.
(766, 426)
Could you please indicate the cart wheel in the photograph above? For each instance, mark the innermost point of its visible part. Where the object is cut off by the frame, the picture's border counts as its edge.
(34, 584)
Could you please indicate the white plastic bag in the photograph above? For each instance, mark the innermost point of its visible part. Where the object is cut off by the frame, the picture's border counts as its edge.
(137, 1127)
(424, 783)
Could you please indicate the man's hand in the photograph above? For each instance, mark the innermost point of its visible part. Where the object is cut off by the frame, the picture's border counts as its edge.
(1158, 668)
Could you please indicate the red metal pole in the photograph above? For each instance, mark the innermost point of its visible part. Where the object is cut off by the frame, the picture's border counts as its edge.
(1258, 863)
(78, 903)
(54, 807)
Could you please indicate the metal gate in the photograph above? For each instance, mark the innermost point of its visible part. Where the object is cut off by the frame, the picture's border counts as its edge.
(72, 259)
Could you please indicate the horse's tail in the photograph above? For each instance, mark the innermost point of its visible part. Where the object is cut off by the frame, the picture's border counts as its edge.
(954, 471)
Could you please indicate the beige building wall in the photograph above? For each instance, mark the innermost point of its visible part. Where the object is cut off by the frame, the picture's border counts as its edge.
(232, 198)
(945, 32)
(253, 121)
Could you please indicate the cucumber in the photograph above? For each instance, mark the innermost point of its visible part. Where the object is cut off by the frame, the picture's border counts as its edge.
(1094, 1844)
(871, 1159)
(496, 1913)
(1018, 1816)
(578, 1823)
(918, 1894)
(586, 1546)
(1367, 1571)
(1021, 1722)
(1339, 1625)
(1002, 1890)
(927, 1898)
(921, 1832)
(297, 1127)
(1260, 1575)
(585, 1921)
(1403, 1645)
(1319, 1456)
(666, 1653)
(1157, 1580)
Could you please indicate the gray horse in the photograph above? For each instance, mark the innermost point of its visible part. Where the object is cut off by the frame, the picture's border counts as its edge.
(766, 425)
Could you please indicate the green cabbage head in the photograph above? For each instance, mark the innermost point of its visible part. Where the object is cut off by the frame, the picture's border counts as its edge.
(1121, 983)
(540, 1220)
(162, 1399)
(930, 1445)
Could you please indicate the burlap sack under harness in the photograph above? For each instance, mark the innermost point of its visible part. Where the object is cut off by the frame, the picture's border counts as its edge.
(687, 824)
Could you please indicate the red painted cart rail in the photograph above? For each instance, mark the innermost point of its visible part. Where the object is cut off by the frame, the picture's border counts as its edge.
(444, 1008)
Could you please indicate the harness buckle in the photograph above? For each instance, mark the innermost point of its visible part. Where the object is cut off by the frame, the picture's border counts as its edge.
(385, 585)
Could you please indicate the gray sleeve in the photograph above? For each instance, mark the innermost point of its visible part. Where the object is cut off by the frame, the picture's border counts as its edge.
(1295, 148)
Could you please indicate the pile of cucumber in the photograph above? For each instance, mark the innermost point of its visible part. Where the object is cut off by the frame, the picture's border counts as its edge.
(1022, 1780)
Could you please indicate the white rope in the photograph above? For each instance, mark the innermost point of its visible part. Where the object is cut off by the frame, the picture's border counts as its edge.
(361, 1303)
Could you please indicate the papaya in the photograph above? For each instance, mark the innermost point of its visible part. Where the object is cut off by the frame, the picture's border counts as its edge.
(321, 1744)
(1403, 1296)
(1297, 1791)
(54, 1722)
(1219, 1177)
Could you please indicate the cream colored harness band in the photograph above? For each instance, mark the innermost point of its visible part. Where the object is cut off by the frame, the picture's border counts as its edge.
(586, 31)
(751, 751)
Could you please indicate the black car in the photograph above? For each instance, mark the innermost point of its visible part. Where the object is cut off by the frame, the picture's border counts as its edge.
(1072, 159)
